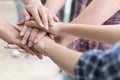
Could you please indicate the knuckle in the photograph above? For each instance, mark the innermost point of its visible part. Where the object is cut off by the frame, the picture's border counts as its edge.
(30, 40)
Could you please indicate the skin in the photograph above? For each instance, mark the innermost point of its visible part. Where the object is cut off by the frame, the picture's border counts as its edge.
(96, 15)
(35, 9)
(10, 34)
(60, 54)
(102, 33)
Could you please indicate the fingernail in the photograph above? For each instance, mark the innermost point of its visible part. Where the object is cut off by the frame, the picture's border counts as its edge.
(51, 23)
(6, 46)
(23, 42)
(21, 33)
(39, 56)
(36, 40)
(46, 26)
(27, 18)
(21, 50)
(30, 44)
(40, 24)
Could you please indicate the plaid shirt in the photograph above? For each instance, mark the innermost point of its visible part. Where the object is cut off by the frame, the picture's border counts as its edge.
(83, 44)
(99, 65)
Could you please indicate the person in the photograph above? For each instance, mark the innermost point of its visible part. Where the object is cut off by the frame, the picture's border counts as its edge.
(101, 19)
(91, 65)
(91, 18)
(94, 17)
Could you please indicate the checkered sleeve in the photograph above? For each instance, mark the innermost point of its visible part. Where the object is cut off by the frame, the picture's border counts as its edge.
(98, 65)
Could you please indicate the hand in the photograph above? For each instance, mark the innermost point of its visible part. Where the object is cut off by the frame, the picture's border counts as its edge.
(11, 35)
(39, 46)
(39, 13)
(32, 36)
(43, 43)
(53, 29)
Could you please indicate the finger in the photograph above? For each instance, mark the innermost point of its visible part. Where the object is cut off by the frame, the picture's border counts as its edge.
(22, 22)
(32, 24)
(32, 37)
(26, 36)
(44, 17)
(22, 51)
(51, 36)
(19, 28)
(38, 54)
(23, 30)
(36, 16)
(11, 46)
(26, 15)
(28, 50)
(40, 35)
(50, 19)
(55, 18)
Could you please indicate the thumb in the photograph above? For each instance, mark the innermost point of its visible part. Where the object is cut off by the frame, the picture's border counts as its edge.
(32, 24)
(19, 28)
(25, 15)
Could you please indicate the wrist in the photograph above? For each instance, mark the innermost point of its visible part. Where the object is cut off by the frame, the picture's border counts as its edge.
(45, 45)
(56, 28)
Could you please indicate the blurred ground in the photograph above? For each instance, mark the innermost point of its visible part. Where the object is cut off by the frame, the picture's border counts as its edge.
(22, 68)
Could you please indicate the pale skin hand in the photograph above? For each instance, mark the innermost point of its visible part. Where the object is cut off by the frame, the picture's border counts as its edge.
(30, 35)
(11, 35)
(38, 12)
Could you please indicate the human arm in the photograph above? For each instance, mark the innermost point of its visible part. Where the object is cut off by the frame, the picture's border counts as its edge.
(94, 14)
(10, 34)
(62, 56)
(97, 12)
(53, 7)
(103, 33)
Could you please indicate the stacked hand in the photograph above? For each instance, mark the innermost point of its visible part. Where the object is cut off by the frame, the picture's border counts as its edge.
(39, 13)
(37, 18)
(10, 34)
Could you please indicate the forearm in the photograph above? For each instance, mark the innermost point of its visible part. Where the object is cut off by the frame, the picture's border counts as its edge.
(62, 56)
(97, 12)
(29, 1)
(54, 6)
(108, 34)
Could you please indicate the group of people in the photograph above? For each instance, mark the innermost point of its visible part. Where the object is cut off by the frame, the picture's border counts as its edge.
(39, 32)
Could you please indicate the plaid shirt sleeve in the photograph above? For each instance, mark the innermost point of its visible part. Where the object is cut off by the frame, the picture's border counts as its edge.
(99, 65)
